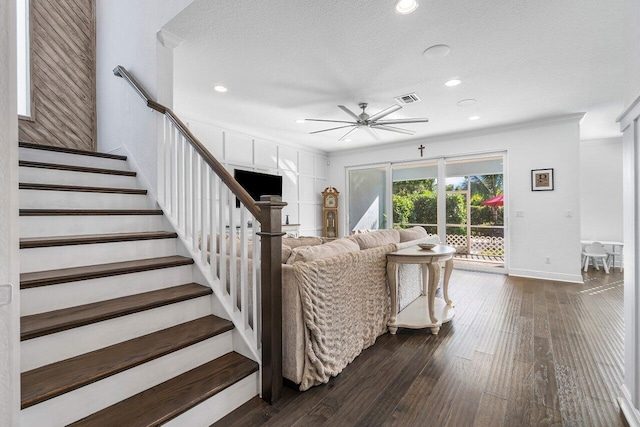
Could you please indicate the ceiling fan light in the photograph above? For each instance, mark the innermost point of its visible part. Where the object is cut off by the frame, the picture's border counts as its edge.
(405, 7)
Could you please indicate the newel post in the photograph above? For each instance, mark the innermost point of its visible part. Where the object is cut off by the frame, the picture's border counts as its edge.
(271, 295)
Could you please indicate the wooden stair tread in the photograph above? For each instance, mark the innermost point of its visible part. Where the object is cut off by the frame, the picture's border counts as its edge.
(73, 168)
(171, 398)
(77, 212)
(24, 144)
(81, 189)
(73, 274)
(52, 380)
(41, 324)
(44, 242)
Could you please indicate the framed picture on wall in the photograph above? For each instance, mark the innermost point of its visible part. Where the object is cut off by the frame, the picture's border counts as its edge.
(542, 179)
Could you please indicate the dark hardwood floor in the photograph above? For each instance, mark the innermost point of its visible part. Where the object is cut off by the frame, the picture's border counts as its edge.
(520, 352)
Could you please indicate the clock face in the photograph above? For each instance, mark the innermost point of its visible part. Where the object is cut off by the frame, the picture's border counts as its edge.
(331, 201)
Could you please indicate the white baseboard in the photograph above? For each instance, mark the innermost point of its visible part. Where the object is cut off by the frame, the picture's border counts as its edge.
(631, 414)
(546, 275)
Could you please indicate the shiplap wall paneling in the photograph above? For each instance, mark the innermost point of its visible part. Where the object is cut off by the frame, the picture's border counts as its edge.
(63, 111)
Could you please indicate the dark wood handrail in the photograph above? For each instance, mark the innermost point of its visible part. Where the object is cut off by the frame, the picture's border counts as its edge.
(220, 170)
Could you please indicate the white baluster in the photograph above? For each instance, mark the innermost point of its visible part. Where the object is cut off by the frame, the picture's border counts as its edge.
(186, 170)
(233, 272)
(257, 303)
(244, 261)
(204, 180)
(222, 230)
(174, 173)
(214, 230)
(195, 177)
(161, 150)
(179, 183)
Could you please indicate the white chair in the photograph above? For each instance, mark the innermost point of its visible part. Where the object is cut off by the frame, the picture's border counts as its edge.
(612, 254)
(595, 252)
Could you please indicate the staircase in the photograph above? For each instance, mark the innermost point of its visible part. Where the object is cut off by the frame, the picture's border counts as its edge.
(115, 328)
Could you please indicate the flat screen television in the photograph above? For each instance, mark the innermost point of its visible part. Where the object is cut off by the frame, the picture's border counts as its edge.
(258, 184)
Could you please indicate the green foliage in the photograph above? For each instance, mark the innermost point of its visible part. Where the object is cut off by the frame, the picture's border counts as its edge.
(403, 208)
(415, 202)
(425, 208)
(418, 186)
(456, 209)
(488, 186)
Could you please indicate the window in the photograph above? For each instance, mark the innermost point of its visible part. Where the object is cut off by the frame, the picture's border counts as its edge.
(24, 80)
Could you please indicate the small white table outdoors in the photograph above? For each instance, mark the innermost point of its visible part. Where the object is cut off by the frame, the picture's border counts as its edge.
(426, 311)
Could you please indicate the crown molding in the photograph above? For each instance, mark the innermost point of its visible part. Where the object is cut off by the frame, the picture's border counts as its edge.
(601, 141)
(630, 114)
(168, 40)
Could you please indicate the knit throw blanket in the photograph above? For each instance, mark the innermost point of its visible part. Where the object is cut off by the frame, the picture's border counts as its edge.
(345, 307)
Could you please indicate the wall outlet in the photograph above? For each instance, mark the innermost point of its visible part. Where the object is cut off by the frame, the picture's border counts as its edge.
(519, 214)
(547, 260)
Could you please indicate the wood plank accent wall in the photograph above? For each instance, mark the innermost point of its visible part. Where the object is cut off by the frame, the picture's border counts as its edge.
(63, 75)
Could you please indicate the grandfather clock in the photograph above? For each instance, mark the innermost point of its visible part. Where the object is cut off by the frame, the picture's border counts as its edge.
(330, 212)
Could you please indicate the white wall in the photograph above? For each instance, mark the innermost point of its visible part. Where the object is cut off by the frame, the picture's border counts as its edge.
(304, 171)
(544, 230)
(9, 261)
(126, 35)
(601, 189)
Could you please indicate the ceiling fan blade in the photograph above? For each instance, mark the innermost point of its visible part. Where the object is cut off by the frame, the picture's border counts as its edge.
(385, 112)
(394, 129)
(372, 132)
(349, 112)
(347, 134)
(330, 121)
(401, 121)
(327, 130)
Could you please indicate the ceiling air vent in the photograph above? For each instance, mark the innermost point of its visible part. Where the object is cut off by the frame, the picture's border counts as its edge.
(407, 99)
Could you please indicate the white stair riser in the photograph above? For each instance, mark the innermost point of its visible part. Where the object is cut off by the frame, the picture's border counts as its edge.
(64, 295)
(53, 258)
(51, 348)
(44, 156)
(73, 225)
(216, 407)
(62, 177)
(47, 199)
(84, 401)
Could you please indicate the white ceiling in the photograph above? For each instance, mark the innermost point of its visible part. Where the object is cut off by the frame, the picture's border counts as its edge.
(287, 60)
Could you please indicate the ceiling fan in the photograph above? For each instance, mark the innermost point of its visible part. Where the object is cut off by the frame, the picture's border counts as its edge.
(370, 123)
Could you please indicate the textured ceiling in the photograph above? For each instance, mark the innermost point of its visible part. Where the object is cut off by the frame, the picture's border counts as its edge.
(286, 60)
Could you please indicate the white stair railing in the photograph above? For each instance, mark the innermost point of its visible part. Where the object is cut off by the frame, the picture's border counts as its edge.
(203, 210)
(198, 196)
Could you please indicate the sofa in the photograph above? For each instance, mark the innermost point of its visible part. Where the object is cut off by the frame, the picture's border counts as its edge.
(335, 299)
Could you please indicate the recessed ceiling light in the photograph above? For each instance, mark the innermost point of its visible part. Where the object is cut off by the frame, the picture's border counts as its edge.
(467, 102)
(347, 140)
(436, 51)
(474, 117)
(220, 89)
(453, 82)
(405, 7)
(300, 121)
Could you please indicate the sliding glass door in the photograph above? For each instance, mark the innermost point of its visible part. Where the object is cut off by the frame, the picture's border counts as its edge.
(460, 199)
(415, 196)
(368, 196)
(475, 210)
